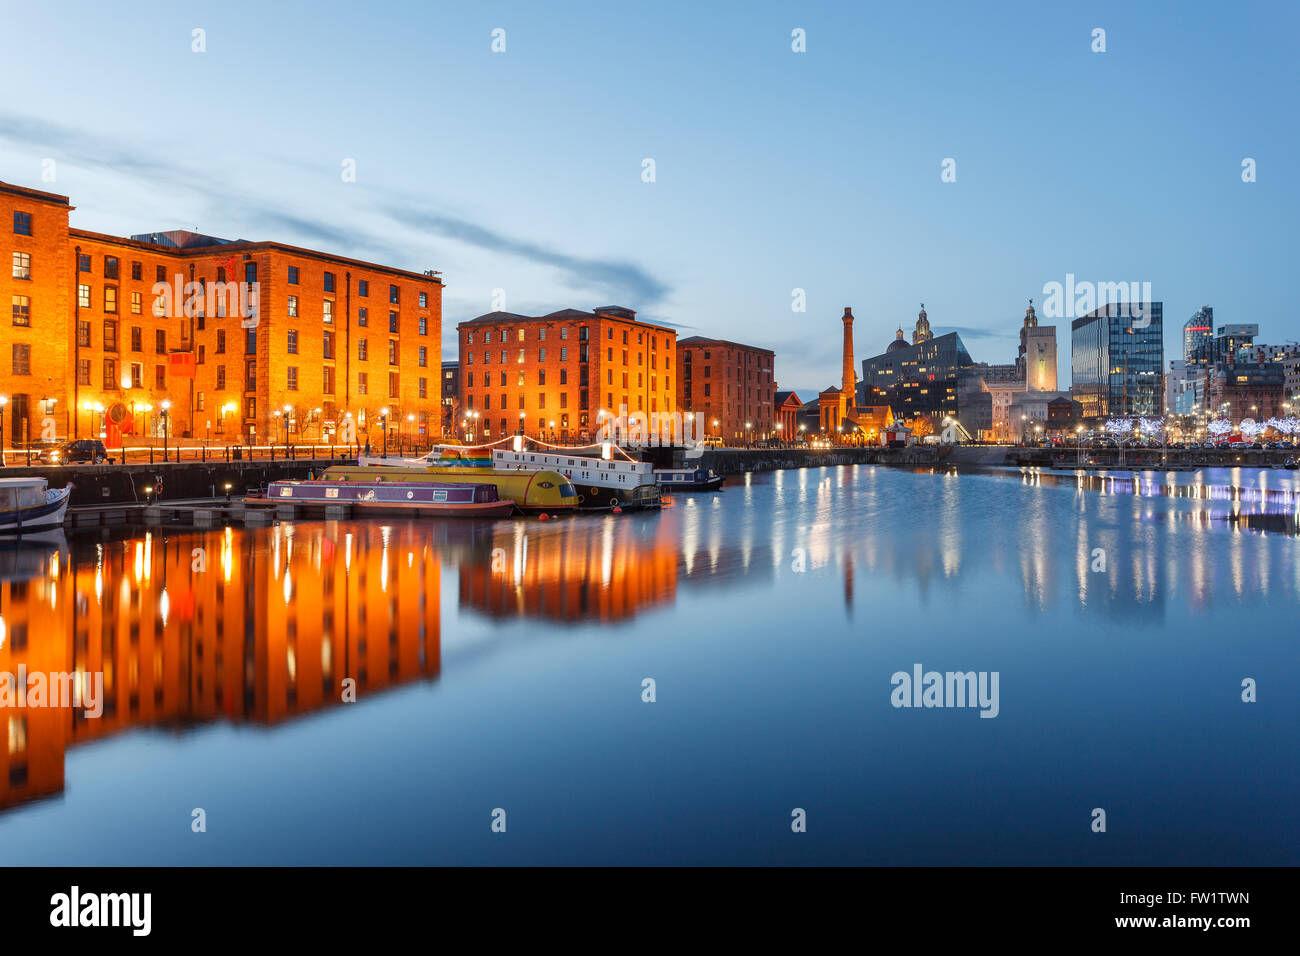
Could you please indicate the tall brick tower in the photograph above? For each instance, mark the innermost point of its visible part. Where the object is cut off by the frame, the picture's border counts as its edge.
(848, 380)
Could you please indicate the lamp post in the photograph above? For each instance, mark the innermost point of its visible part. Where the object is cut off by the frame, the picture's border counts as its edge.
(1078, 446)
(383, 426)
(748, 441)
(410, 421)
(166, 415)
(523, 422)
(4, 400)
(288, 410)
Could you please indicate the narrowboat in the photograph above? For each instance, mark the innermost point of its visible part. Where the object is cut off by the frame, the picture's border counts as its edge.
(687, 479)
(29, 504)
(536, 492)
(436, 499)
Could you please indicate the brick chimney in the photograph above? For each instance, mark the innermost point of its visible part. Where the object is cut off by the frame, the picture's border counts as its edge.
(849, 379)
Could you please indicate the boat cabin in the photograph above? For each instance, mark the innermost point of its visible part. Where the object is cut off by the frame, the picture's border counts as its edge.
(21, 493)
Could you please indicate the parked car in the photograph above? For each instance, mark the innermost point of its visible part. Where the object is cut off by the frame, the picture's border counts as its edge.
(79, 451)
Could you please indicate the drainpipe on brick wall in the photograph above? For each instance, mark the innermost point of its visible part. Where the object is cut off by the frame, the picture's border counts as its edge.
(347, 348)
(76, 349)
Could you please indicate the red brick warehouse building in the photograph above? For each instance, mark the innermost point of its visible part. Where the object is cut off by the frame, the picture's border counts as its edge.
(731, 385)
(91, 346)
(557, 376)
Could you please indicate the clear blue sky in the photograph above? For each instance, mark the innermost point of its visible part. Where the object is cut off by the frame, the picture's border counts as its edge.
(774, 170)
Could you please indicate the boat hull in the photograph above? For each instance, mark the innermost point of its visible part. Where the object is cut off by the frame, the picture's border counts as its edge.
(37, 518)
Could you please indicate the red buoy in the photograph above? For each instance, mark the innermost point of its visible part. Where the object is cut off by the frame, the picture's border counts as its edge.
(543, 517)
(618, 511)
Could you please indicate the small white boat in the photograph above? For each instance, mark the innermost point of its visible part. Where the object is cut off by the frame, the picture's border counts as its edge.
(29, 505)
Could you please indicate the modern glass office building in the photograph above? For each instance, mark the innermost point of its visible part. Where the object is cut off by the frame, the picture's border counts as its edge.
(918, 379)
(1116, 361)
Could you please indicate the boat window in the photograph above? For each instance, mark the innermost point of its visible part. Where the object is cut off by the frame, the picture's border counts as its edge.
(286, 492)
(331, 492)
(440, 494)
(6, 498)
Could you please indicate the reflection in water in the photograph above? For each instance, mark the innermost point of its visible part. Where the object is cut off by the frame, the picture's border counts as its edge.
(249, 626)
(261, 625)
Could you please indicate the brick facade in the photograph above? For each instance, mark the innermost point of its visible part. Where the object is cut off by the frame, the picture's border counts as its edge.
(731, 385)
(341, 337)
(559, 375)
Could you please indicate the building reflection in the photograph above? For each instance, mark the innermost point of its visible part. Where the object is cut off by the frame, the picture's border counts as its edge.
(590, 569)
(248, 626)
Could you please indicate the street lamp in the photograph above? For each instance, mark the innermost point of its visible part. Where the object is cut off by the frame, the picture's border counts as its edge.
(166, 414)
(383, 425)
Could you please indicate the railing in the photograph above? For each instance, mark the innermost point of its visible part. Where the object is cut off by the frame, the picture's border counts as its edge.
(190, 451)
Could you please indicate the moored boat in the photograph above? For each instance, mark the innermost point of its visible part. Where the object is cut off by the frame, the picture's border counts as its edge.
(29, 504)
(688, 479)
(604, 476)
(537, 492)
(428, 498)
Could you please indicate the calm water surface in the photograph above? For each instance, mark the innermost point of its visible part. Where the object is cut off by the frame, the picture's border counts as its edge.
(500, 665)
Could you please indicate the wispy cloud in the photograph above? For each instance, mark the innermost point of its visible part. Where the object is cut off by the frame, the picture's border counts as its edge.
(971, 332)
(613, 279)
(610, 276)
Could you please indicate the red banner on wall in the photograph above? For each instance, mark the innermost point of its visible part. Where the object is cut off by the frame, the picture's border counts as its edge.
(182, 364)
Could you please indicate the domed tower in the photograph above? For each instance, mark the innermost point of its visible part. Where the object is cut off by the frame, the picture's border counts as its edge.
(922, 333)
(1031, 318)
(900, 342)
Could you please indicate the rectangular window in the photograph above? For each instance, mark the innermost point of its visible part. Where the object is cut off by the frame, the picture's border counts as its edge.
(22, 359)
(250, 407)
(327, 345)
(392, 351)
(250, 341)
(363, 383)
(564, 331)
(110, 298)
(110, 267)
(329, 282)
(137, 375)
(564, 376)
(221, 341)
(137, 271)
(110, 335)
(160, 341)
(393, 296)
(363, 289)
(110, 374)
(159, 272)
(83, 371)
(83, 296)
(291, 378)
(221, 377)
(83, 334)
(424, 357)
(137, 303)
(160, 377)
(564, 353)
(521, 356)
(469, 358)
(541, 400)
(424, 387)
(424, 325)
(22, 306)
(293, 275)
(137, 339)
(327, 311)
(327, 380)
(363, 317)
(363, 350)
(83, 262)
(22, 265)
(392, 384)
(293, 306)
(541, 376)
(392, 322)
(250, 272)
(22, 223)
(292, 343)
(424, 300)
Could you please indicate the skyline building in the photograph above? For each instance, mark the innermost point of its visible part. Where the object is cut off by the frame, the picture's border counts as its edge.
(1117, 361)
